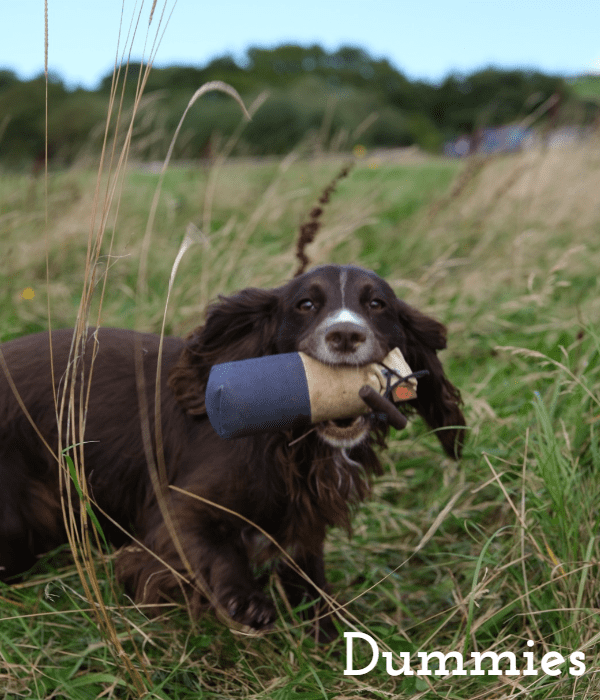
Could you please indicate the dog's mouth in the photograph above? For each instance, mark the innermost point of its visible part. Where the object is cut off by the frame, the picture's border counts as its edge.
(345, 432)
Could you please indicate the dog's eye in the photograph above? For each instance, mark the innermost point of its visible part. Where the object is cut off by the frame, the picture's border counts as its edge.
(305, 305)
(376, 304)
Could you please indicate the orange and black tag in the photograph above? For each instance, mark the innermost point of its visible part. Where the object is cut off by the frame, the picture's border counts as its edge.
(403, 393)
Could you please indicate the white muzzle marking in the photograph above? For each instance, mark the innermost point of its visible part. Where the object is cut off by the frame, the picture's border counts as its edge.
(345, 316)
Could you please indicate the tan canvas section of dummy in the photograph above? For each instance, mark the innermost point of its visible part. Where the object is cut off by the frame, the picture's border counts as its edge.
(333, 390)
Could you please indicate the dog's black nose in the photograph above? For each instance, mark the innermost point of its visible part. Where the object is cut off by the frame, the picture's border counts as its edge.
(345, 336)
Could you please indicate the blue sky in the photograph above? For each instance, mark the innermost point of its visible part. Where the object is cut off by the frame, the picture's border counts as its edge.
(426, 40)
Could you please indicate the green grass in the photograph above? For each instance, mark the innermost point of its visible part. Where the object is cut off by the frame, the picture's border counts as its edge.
(587, 87)
(510, 261)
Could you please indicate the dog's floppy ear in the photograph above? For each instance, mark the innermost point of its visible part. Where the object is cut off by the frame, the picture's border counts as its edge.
(438, 400)
(238, 327)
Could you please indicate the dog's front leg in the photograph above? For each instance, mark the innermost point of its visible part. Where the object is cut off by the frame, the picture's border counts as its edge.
(299, 589)
(234, 585)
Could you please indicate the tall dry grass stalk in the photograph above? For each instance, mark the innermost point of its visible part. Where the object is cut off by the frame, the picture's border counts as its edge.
(310, 228)
(72, 400)
(216, 85)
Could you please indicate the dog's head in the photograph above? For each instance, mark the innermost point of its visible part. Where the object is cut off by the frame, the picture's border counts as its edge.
(339, 315)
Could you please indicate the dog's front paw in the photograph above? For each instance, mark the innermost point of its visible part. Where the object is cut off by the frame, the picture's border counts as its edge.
(251, 608)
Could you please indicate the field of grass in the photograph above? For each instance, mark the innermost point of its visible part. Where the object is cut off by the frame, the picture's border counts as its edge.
(481, 555)
(587, 87)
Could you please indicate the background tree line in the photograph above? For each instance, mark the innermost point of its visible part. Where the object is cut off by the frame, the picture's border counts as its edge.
(318, 100)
